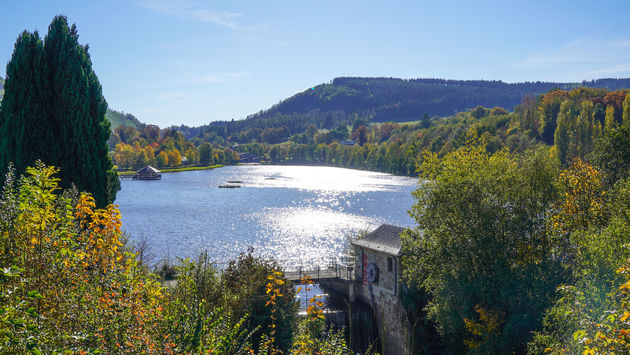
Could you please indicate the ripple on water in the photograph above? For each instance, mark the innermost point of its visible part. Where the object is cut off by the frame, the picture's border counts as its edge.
(308, 236)
(303, 216)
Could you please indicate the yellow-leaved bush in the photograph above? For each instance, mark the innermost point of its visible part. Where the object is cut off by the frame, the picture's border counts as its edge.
(67, 283)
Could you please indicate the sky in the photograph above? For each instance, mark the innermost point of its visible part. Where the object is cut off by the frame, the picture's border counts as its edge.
(191, 62)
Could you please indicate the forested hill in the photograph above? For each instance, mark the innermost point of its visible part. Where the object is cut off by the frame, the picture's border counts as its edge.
(389, 99)
(116, 119)
(347, 99)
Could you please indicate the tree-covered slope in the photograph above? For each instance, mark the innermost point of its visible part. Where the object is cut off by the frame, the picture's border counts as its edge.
(346, 99)
(116, 119)
(389, 99)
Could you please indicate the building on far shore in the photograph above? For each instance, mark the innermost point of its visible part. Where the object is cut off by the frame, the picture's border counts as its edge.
(247, 158)
(148, 173)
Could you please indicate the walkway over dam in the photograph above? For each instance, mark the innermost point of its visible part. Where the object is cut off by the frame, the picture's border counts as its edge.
(330, 272)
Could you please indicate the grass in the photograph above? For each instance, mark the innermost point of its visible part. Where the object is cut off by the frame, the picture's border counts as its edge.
(191, 168)
(174, 170)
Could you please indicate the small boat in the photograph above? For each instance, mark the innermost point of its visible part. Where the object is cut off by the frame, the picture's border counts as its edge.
(227, 186)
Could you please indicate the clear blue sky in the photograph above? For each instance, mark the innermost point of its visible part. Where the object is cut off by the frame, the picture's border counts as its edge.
(172, 62)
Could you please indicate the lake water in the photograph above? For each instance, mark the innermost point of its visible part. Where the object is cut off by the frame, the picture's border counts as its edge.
(299, 215)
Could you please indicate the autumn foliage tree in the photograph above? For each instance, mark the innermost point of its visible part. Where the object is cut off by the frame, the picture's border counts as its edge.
(591, 230)
(67, 280)
(174, 157)
(162, 159)
(69, 284)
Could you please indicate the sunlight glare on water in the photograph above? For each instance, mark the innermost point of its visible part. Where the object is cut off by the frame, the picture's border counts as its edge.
(309, 236)
(299, 215)
(322, 178)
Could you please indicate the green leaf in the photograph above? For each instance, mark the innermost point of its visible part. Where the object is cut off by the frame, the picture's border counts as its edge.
(34, 294)
(12, 271)
(579, 334)
(32, 311)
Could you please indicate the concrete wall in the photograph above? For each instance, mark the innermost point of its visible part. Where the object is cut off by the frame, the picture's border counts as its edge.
(384, 299)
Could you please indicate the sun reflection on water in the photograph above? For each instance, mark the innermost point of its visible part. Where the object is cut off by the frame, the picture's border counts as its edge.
(309, 236)
(322, 179)
(299, 215)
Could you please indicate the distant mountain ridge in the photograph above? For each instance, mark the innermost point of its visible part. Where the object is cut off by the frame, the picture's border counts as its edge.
(391, 99)
(346, 99)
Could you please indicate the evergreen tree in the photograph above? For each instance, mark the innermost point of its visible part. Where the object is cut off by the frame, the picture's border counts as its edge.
(55, 112)
(25, 131)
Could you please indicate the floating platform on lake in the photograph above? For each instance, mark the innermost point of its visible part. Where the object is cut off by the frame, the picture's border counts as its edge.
(229, 186)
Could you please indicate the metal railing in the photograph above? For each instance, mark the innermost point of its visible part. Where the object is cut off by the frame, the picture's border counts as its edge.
(337, 270)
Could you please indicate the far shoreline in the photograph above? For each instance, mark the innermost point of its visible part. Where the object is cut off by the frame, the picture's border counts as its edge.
(175, 170)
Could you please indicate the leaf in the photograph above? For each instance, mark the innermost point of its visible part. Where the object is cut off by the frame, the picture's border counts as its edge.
(579, 334)
(34, 294)
(12, 271)
(625, 316)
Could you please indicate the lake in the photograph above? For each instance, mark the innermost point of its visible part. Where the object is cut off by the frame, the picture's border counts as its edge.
(299, 215)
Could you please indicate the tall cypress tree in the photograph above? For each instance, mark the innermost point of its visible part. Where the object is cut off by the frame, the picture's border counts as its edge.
(71, 122)
(25, 129)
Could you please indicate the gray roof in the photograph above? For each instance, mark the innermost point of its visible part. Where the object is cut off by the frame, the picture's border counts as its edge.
(148, 169)
(385, 239)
